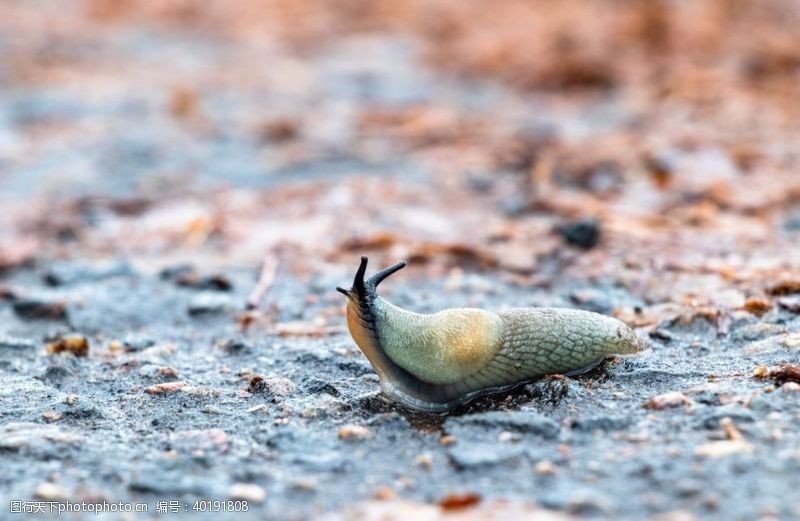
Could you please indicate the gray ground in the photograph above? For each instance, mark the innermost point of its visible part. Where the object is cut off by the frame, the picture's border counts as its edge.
(608, 453)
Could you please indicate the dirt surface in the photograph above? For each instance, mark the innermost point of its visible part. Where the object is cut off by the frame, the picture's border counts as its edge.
(164, 164)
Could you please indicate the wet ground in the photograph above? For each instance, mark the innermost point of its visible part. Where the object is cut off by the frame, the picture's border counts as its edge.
(156, 164)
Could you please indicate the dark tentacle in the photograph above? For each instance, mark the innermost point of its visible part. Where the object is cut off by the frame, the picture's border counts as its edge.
(358, 281)
(381, 275)
(365, 289)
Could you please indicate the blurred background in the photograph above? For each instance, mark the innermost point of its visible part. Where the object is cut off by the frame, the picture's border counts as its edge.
(440, 130)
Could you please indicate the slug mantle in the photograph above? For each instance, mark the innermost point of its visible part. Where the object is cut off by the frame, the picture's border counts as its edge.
(433, 363)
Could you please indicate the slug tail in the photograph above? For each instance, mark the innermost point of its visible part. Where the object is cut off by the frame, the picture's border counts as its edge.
(642, 342)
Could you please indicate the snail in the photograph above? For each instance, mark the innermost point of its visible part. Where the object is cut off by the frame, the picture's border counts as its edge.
(433, 363)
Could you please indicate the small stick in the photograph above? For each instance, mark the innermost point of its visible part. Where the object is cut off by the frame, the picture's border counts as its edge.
(731, 432)
(265, 280)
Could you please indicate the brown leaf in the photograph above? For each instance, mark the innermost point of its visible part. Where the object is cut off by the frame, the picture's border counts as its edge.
(465, 253)
(78, 345)
(280, 130)
(459, 501)
(785, 372)
(167, 387)
(785, 287)
(375, 241)
(757, 305)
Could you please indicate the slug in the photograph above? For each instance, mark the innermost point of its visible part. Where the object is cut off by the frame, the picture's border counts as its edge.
(433, 363)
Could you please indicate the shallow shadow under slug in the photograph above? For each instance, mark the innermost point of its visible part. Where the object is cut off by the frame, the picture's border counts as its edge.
(433, 363)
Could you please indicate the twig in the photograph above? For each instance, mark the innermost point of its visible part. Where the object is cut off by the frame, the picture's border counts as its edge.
(265, 280)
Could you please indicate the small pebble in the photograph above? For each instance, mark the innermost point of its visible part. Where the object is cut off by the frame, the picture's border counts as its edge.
(134, 343)
(304, 484)
(508, 437)
(279, 386)
(761, 372)
(255, 385)
(249, 492)
(667, 400)
(78, 345)
(790, 387)
(354, 432)
(384, 493)
(199, 390)
(544, 468)
(208, 303)
(51, 492)
(236, 346)
(168, 372)
(583, 233)
(51, 416)
(158, 371)
(710, 501)
(447, 440)
(425, 461)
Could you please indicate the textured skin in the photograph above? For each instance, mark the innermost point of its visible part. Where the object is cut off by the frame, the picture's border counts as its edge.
(538, 342)
(435, 362)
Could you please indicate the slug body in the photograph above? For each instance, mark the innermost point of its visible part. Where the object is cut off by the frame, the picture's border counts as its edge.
(432, 363)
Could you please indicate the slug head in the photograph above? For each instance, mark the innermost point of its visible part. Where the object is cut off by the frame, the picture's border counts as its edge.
(364, 290)
(360, 317)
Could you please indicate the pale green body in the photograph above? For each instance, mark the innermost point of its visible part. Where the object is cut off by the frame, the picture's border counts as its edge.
(433, 362)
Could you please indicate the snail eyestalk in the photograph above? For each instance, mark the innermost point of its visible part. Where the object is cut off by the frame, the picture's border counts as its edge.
(433, 363)
(366, 289)
(384, 273)
(358, 281)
